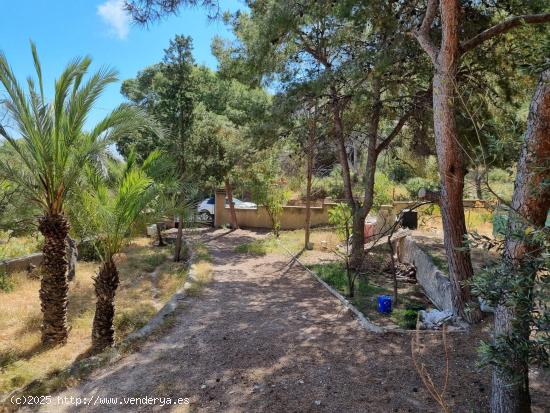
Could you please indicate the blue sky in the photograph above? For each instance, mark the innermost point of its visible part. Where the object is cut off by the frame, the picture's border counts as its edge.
(63, 29)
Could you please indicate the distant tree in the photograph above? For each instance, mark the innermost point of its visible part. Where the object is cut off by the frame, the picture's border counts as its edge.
(351, 55)
(164, 91)
(228, 129)
(52, 146)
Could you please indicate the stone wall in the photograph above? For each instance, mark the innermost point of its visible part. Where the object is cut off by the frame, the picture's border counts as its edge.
(436, 285)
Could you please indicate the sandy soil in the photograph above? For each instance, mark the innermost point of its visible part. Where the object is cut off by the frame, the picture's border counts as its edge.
(264, 337)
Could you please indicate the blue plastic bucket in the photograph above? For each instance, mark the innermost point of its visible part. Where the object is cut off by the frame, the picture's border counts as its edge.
(384, 304)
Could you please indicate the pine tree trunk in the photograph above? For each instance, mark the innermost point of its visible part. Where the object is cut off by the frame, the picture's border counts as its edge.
(451, 164)
(361, 211)
(310, 153)
(105, 283)
(229, 194)
(531, 199)
(357, 239)
(54, 286)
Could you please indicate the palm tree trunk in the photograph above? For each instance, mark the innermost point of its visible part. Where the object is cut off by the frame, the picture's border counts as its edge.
(72, 257)
(54, 286)
(106, 283)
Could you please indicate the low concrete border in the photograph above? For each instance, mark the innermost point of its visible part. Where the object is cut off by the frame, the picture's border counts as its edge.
(363, 321)
(167, 309)
(360, 317)
(22, 263)
(435, 284)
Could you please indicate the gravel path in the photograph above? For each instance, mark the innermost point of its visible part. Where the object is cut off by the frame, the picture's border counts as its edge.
(264, 337)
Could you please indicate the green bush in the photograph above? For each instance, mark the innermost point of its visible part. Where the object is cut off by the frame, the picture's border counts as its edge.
(413, 185)
(406, 319)
(7, 357)
(331, 185)
(500, 175)
(6, 283)
(341, 217)
(399, 172)
(12, 247)
(151, 262)
(87, 251)
(383, 190)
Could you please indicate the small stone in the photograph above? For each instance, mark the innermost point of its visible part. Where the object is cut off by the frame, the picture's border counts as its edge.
(318, 402)
(301, 381)
(203, 386)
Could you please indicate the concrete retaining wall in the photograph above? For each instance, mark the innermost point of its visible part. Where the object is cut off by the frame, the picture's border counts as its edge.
(435, 284)
(21, 263)
(292, 217)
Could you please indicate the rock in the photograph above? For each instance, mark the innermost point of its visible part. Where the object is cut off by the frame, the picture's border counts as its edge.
(318, 402)
(434, 319)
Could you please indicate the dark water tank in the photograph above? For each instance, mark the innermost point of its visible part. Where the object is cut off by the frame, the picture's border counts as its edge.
(410, 219)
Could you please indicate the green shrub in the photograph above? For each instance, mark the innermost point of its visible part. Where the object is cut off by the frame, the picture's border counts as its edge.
(500, 175)
(383, 190)
(399, 172)
(413, 185)
(153, 261)
(12, 247)
(87, 251)
(341, 217)
(6, 283)
(406, 318)
(7, 357)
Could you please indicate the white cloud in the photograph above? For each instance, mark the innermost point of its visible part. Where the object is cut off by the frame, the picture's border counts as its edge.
(113, 14)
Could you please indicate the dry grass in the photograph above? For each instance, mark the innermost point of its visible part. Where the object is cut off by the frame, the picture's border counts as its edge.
(477, 219)
(138, 298)
(202, 271)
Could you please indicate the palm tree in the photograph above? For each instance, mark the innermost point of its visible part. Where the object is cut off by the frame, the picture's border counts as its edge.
(112, 211)
(50, 141)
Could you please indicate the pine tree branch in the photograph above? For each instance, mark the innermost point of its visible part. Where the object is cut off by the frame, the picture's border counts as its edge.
(423, 32)
(395, 131)
(502, 28)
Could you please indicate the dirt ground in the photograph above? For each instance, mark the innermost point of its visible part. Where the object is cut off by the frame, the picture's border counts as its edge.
(265, 337)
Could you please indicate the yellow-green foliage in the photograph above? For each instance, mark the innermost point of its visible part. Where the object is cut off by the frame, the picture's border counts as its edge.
(18, 246)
